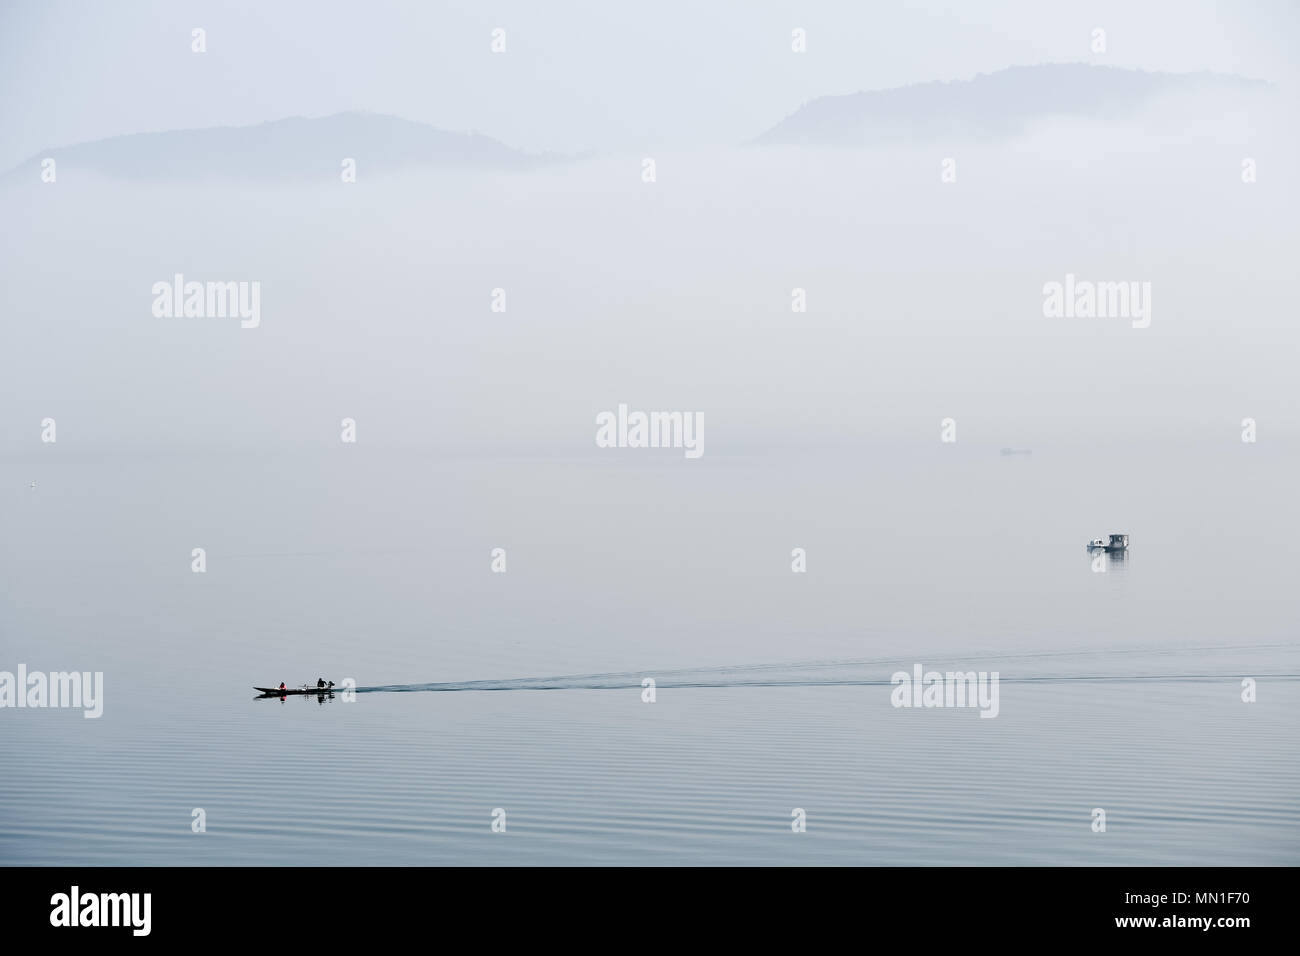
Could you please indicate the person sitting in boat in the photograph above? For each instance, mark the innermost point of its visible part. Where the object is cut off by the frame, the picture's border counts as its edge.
(320, 683)
(282, 685)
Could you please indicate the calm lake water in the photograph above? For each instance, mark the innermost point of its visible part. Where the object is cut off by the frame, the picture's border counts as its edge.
(1120, 689)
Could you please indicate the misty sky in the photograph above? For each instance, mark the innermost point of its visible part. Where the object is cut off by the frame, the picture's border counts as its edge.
(577, 75)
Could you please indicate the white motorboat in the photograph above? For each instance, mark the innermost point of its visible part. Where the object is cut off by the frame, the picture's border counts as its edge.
(1117, 542)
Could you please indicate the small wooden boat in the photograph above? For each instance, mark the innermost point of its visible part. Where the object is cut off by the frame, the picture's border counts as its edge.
(278, 692)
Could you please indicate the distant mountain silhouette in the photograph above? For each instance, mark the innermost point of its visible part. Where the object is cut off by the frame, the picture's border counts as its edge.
(289, 149)
(991, 106)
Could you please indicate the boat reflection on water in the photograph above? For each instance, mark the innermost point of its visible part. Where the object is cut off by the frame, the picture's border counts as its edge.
(320, 696)
(1102, 560)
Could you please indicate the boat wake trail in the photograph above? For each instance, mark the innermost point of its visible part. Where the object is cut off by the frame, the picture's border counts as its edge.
(1059, 667)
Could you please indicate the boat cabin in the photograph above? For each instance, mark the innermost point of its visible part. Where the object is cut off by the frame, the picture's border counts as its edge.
(1118, 542)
